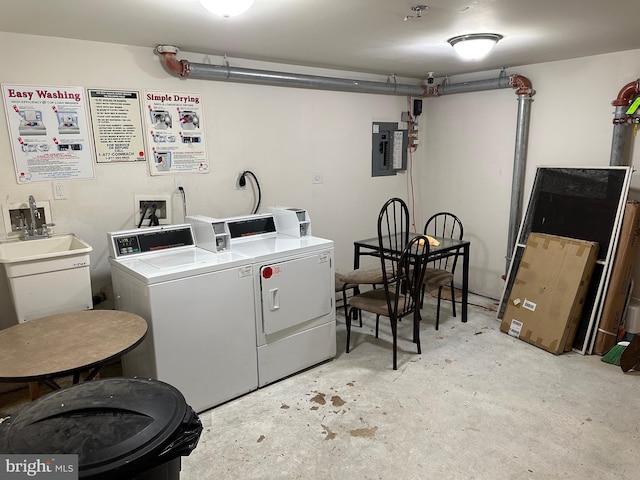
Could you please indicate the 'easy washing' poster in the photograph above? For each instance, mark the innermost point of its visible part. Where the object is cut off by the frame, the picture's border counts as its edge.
(49, 132)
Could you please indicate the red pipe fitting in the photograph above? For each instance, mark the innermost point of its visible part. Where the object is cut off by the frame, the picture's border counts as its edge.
(625, 94)
(175, 66)
(523, 85)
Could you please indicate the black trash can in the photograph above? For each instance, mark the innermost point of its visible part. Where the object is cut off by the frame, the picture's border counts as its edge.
(124, 428)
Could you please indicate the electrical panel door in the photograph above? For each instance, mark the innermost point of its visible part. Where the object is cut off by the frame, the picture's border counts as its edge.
(389, 146)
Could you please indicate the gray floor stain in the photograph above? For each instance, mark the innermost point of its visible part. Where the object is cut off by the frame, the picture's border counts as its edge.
(364, 432)
(284, 406)
(336, 401)
(261, 438)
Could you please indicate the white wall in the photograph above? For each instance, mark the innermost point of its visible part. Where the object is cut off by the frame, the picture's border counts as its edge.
(468, 143)
(283, 135)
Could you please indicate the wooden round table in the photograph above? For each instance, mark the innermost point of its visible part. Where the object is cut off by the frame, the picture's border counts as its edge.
(43, 349)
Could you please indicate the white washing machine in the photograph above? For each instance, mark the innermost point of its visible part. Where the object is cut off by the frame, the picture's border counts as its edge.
(294, 285)
(199, 307)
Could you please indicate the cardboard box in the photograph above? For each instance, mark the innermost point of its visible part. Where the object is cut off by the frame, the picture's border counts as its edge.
(620, 280)
(549, 291)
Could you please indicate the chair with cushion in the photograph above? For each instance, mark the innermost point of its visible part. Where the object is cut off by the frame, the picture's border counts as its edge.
(341, 287)
(400, 296)
(396, 214)
(441, 269)
(403, 265)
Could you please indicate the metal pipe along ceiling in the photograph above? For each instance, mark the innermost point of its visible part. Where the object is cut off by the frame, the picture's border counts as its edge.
(184, 68)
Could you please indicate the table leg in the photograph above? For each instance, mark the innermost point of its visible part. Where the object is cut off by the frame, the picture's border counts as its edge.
(465, 282)
(93, 374)
(34, 390)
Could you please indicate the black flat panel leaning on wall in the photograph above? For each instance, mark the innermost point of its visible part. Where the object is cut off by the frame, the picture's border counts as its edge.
(578, 203)
(582, 203)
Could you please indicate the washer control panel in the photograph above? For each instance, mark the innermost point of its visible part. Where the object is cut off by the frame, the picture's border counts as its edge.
(150, 240)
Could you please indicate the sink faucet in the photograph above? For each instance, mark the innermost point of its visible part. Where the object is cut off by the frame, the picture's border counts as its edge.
(34, 212)
(31, 231)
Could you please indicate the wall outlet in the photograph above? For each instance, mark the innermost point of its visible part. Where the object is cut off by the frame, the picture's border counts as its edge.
(59, 192)
(146, 204)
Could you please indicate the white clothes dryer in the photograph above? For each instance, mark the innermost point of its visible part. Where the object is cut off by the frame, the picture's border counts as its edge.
(199, 308)
(294, 290)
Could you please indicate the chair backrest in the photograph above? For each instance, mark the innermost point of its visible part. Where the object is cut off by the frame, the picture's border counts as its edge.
(404, 294)
(444, 225)
(393, 234)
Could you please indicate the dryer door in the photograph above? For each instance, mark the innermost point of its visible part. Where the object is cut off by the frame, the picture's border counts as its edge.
(295, 291)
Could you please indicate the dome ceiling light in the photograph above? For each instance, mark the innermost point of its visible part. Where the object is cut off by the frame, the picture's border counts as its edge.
(474, 46)
(227, 8)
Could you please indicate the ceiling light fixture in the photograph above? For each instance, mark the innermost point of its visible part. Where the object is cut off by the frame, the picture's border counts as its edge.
(227, 8)
(474, 46)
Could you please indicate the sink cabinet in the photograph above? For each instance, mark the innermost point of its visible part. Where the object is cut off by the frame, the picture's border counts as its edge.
(45, 280)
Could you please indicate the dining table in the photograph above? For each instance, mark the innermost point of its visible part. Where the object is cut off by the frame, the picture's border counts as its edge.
(446, 247)
(48, 348)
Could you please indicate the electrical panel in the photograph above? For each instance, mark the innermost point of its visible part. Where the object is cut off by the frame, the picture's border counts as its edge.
(388, 149)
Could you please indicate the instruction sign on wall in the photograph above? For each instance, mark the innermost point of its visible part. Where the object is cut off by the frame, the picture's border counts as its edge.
(175, 132)
(118, 135)
(49, 132)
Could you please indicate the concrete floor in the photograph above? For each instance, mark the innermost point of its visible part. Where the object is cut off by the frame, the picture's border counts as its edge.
(476, 404)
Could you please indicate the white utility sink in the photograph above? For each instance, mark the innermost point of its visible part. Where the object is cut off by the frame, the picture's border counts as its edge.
(47, 275)
(42, 248)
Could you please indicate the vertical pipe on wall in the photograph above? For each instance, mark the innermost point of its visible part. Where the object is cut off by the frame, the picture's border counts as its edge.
(519, 163)
(621, 120)
(620, 135)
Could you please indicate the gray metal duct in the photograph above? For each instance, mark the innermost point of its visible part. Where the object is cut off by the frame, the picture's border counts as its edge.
(621, 121)
(227, 73)
(265, 77)
(476, 86)
(517, 183)
(619, 141)
(184, 68)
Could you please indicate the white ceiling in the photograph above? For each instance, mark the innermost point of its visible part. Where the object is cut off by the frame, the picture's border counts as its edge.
(356, 35)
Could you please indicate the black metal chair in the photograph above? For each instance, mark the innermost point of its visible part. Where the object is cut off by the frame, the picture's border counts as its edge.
(403, 268)
(396, 216)
(341, 287)
(441, 273)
